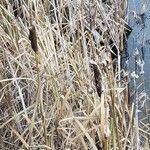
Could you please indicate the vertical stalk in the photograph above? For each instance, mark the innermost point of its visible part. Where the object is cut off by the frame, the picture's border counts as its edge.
(39, 100)
(113, 112)
(136, 104)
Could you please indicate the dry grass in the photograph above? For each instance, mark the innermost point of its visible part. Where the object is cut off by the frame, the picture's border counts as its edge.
(69, 91)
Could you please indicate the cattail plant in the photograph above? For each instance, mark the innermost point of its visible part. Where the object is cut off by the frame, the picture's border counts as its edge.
(34, 45)
(74, 89)
(33, 38)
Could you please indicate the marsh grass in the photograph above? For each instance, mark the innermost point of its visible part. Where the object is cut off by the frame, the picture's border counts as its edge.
(70, 92)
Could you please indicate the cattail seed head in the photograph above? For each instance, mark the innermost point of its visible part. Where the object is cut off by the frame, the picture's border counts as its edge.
(33, 38)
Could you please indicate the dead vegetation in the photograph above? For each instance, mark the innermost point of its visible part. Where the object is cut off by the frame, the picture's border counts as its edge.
(61, 82)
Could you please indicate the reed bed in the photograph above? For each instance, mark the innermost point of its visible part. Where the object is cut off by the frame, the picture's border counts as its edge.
(63, 80)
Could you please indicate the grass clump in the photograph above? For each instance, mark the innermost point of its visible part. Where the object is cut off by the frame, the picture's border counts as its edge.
(73, 93)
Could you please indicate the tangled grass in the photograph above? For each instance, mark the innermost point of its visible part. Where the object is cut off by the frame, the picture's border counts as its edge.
(62, 84)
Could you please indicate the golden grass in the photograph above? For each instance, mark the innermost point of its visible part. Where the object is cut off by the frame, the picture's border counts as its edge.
(61, 82)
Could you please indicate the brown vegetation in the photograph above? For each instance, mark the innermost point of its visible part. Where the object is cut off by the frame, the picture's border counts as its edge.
(61, 82)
